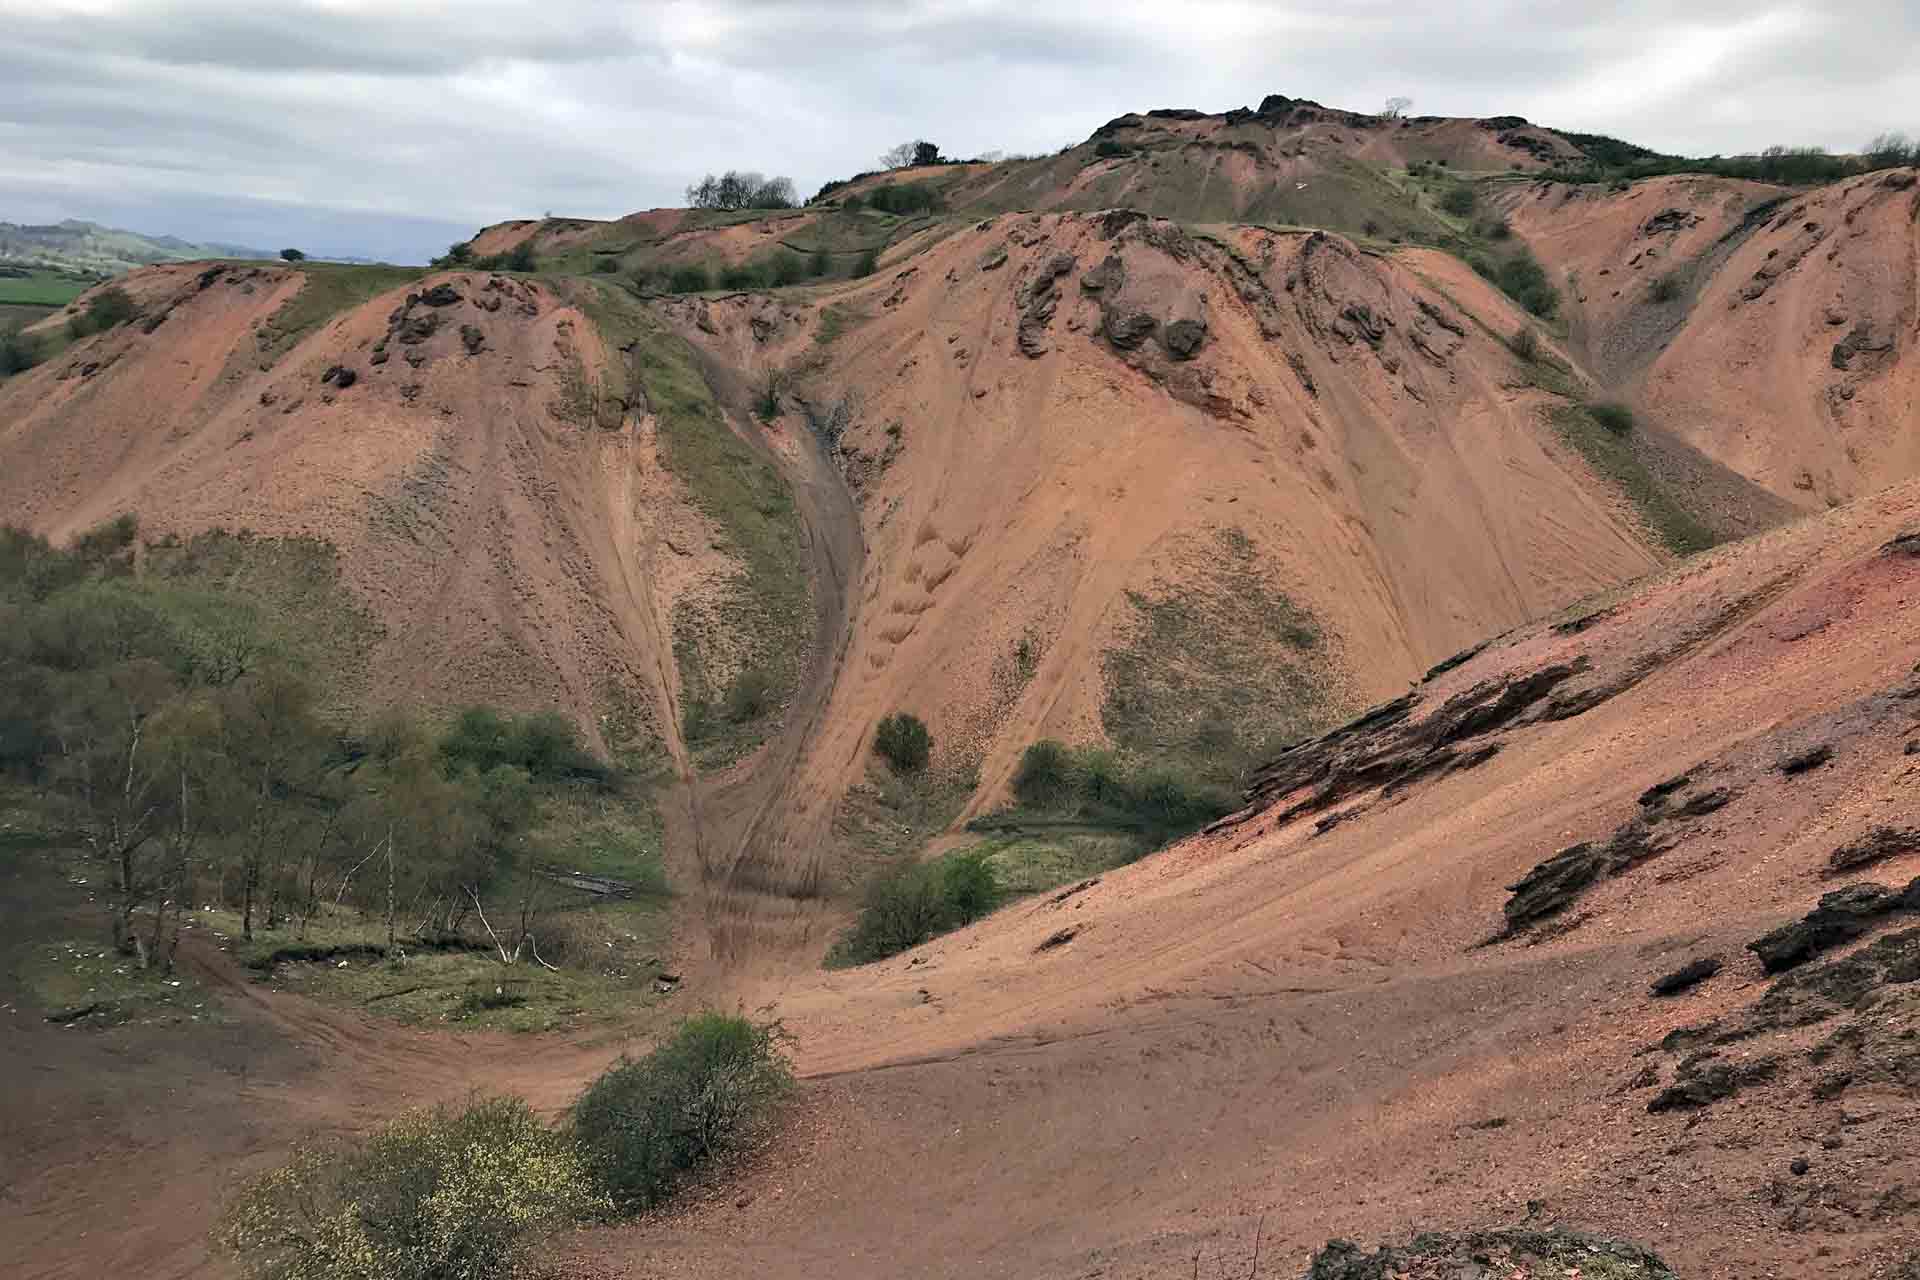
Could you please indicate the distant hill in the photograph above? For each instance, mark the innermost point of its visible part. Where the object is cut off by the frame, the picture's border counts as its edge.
(75, 245)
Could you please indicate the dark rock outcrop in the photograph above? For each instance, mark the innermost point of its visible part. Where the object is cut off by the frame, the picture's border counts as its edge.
(1876, 845)
(1840, 917)
(1486, 1254)
(1686, 977)
(441, 295)
(1183, 338)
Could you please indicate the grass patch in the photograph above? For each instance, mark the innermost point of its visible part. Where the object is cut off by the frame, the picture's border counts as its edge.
(330, 289)
(1611, 453)
(42, 289)
(86, 983)
(1217, 673)
(838, 319)
(891, 813)
(759, 633)
(1030, 862)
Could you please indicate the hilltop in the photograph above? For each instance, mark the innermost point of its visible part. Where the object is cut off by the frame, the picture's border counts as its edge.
(78, 245)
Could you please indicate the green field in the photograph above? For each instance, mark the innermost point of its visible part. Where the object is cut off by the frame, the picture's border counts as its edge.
(41, 288)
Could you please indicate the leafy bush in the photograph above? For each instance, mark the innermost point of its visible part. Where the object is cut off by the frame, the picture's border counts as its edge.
(750, 696)
(868, 263)
(444, 1194)
(707, 1091)
(820, 264)
(905, 198)
(1612, 415)
(1525, 343)
(292, 255)
(1044, 779)
(786, 268)
(1094, 785)
(690, 277)
(903, 741)
(107, 309)
(545, 744)
(18, 353)
(741, 275)
(1459, 201)
(1666, 288)
(905, 906)
(520, 257)
(1107, 148)
(606, 265)
(1523, 279)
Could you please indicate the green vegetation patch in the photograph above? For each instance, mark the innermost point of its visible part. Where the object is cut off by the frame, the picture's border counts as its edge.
(708, 1092)
(1217, 672)
(1609, 450)
(740, 658)
(909, 904)
(41, 288)
(452, 1193)
(83, 983)
(330, 289)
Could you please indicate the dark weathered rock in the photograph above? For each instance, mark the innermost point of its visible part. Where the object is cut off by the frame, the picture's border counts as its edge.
(474, 339)
(441, 295)
(340, 376)
(1687, 976)
(1806, 761)
(1907, 544)
(1841, 916)
(1127, 327)
(1184, 338)
(1657, 793)
(1876, 845)
(1704, 1079)
(1107, 277)
(994, 258)
(1486, 1254)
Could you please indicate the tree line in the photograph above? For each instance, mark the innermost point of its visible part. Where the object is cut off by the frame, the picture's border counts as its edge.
(173, 732)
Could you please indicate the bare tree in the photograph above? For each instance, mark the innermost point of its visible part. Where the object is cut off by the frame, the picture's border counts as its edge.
(1395, 108)
(897, 157)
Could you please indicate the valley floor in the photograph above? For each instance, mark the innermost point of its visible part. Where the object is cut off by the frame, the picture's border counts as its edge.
(1265, 1033)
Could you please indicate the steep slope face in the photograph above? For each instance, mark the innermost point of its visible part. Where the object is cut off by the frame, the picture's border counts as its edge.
(514, 534)
(1308, 1025)
(1090, 450)
(1772, 329)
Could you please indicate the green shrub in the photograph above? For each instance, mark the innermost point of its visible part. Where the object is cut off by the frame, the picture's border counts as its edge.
(902, 740)
(741, 275)
(545, 744)
(908, 905)
(18, 353)
(868, 263)
(706, 1092)
(520, 257)
(292, 255)
(750, 696)
(689, 277)
(1612, 415)
(1525, 281)
(1459, 201)
(1525, 343)
(1044, 779)
(820, 264)
(445, 1194)
(1107, 148)
(786, 268)
(905, 198)
(107, 309)
(606, 265)
(1666, 288)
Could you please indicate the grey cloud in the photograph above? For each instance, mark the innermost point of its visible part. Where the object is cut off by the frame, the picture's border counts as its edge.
(413, 119)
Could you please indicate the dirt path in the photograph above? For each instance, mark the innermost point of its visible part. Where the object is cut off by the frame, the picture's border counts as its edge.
(759, 839)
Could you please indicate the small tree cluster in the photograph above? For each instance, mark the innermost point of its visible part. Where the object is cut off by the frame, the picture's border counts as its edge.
(107, 309)
(1097, 786)
(738, 189)
(907, 155)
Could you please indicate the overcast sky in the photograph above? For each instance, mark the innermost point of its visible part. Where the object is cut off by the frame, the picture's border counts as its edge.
(387, 128)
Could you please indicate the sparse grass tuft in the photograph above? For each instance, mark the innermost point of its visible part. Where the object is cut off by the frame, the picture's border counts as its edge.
(1612, 455)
